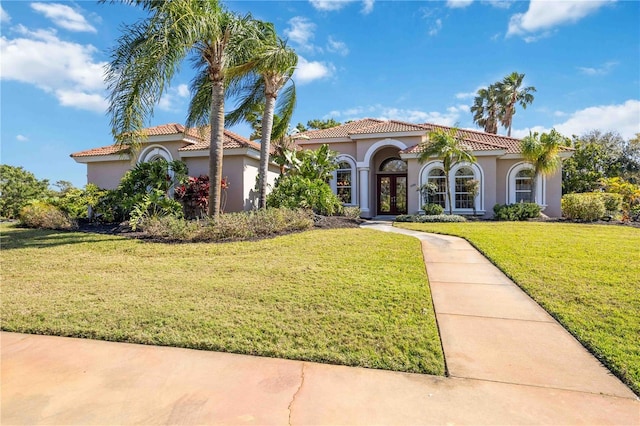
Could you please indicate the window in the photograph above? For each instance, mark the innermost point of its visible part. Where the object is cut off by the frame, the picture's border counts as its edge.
(439, 194)
(343, 182)
(463, 199)
(523, 181)
(393, 165)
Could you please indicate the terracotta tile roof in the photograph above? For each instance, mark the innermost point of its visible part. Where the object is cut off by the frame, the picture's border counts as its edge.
(341, 131)
(473, 139)
(390, 126)
(231, 140)
(104, 150)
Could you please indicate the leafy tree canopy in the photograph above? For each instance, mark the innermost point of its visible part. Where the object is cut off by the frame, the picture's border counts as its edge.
(17, 188)
(322, 124)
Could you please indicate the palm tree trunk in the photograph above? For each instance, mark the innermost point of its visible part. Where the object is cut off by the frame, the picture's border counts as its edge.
(265, 147)
(216, 147)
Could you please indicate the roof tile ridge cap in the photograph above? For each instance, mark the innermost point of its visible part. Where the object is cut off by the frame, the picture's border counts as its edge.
(360, 129)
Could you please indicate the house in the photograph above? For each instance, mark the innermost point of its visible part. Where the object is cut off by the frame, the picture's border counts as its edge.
(379, 169)
(241, 158)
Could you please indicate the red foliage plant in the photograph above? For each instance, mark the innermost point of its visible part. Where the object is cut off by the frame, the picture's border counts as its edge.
(194, 195)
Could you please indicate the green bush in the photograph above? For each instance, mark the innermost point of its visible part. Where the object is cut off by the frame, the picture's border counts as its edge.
(612, 202)
(430, 218)
(295, 191)
(77, 202)
(18, 187)
(352, 212)
(154, 204)
(431, 209)
(44, 215)
(229, 226)
(518, 211)
(588, 206)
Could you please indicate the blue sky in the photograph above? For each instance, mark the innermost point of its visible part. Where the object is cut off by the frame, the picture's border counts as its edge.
(412, 61)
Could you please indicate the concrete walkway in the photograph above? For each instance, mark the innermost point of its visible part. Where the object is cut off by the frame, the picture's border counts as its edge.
(508, 361)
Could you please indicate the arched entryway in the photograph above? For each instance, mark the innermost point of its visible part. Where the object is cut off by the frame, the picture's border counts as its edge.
(391, 179)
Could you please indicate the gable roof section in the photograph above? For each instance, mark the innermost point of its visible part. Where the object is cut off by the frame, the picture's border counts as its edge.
(231, 141)
(341, 131)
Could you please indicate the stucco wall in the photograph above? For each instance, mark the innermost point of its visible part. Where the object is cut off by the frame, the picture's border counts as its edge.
(107, 174)
(554, 195)
(489, 171)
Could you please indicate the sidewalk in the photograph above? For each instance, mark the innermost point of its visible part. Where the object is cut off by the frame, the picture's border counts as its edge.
(509, 363)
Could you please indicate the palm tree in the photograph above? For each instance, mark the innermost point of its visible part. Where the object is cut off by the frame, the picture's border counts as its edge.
(511, 93)
(446, 144)
(542, 152)
(486, 109)
(150, 52)
(273, 66)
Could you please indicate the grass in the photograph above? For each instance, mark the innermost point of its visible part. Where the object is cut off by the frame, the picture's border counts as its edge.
(586, 276)
(345, 296)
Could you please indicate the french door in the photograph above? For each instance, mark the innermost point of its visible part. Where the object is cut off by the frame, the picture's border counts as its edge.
(392, 194)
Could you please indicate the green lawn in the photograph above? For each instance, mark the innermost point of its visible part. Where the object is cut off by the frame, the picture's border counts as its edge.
(586, 276)
(346, 296)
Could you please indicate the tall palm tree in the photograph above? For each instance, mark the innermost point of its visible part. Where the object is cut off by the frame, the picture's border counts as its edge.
(273, 66)
(150, 52)
(446, 145)
(486, 109)
(542, 151)
(511, 93)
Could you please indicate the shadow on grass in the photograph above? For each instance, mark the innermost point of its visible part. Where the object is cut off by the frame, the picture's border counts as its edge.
(13, 237)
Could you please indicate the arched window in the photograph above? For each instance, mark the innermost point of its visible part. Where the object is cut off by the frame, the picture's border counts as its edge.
(519, 185)
(463, 199)
(344, 183)
(393, 165)
(154, 153)
(437, 194)
(523, 181)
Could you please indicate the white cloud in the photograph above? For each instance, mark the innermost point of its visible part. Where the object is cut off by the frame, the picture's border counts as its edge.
(4, 16)
(544, 15)
(435, 27)
(64, 16)
(623, 118)
(308, 71)
(172, 96)
(336, 46)
(448, 118)
(301, 32)
(22, 138)
(499, 4)
(74, 77)
(332, 5)
(602, 70)
(458, 4)
(466, 95)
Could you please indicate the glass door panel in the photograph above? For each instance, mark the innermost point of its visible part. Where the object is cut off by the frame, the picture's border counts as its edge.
(384, 197)
(400, 195)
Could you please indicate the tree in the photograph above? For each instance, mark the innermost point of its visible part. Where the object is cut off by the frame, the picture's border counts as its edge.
(486, 109)
(322, 124)
(511, 93)
(273, 65)
(17, 188)
(446, 145)
(541, 150)
(148, 55)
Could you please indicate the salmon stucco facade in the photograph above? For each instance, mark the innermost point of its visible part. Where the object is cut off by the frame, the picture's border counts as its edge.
(107, 165)
(380, 173)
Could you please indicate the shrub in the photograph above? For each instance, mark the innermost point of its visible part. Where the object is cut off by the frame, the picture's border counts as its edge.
(352, 212)
(612, 202)
(299, 192)
(587, 207)
(154, 204)
(77, 202)
(18, 187)
(44, 215)
(430, 218)
(431, 209)
(229, 226)
(518, 211)
(194, 196)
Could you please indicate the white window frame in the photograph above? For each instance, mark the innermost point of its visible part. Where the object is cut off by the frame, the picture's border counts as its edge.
(334, 183)
(152, 152)
(478, 175)
(541, 191)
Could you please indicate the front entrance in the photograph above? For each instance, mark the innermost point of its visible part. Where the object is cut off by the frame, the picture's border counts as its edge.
(392, 194)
